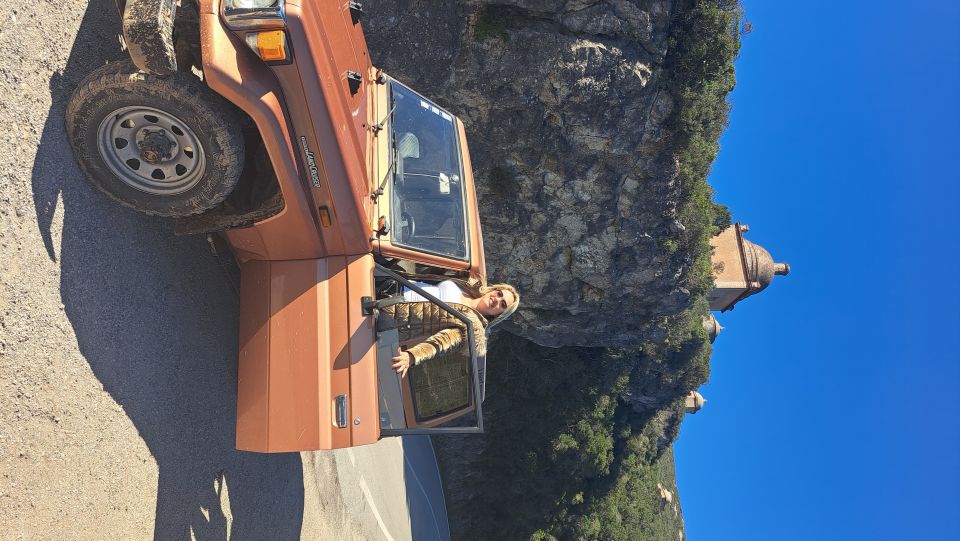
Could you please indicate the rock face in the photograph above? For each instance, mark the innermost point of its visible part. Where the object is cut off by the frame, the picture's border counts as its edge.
(566, 111)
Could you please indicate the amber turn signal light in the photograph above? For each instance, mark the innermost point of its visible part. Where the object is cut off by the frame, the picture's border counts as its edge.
(270, 45)
(325, 219)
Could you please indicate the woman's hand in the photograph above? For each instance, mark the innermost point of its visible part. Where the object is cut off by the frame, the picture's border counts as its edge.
(401, 362)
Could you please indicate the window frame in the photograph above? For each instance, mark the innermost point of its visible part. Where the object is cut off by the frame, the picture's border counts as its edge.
(474, 371)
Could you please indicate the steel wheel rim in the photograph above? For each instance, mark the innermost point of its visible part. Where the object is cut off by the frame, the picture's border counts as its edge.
(151, 150)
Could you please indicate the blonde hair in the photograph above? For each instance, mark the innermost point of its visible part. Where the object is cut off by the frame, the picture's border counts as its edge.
(510, 309)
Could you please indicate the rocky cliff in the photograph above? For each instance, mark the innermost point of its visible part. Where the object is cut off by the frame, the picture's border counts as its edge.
(593, 126)
(567, 110)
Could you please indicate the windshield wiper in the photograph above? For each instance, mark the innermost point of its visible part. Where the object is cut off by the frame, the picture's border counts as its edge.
(379, 125)
(393, 160)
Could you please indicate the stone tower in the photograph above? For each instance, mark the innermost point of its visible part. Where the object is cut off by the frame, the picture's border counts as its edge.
(740, 268)
(712, 326)
(695, 402)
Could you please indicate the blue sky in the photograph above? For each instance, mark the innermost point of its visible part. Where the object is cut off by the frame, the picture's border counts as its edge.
(834, 410)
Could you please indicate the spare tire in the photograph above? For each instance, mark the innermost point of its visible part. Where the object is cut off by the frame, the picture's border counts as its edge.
(148, 34)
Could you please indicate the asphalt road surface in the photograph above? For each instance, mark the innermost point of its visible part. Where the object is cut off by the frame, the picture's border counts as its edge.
(118, 346)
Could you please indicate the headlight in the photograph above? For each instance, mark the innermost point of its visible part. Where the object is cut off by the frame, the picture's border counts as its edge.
(253, 3)
(250, 14)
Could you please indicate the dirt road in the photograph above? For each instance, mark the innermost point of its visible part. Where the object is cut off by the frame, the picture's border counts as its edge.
(118, 347)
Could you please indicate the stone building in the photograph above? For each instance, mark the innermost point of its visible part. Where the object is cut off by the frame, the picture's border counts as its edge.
(740, 268)
(712, 326)
(695, 402)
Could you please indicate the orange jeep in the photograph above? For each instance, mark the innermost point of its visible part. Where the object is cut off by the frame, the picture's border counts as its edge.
(334, 185)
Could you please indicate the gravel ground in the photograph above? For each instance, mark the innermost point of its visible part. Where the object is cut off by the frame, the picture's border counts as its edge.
(118, 339)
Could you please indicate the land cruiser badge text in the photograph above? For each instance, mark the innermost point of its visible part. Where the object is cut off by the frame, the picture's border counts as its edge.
(311, 162)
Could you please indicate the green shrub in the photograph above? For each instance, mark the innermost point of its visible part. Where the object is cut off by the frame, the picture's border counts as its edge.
(491, 23)
(501, 182)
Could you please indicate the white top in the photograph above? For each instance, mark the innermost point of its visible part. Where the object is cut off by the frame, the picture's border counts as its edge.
(446, 291)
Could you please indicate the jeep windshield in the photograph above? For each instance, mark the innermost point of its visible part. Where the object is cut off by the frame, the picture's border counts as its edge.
(428, 196)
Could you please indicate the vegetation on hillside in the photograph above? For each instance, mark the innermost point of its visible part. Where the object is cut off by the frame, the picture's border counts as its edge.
(578, 438)
(631, 507)
(563, 450)
(703, 45)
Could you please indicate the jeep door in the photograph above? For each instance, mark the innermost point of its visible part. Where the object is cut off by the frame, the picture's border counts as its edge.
(436, 395)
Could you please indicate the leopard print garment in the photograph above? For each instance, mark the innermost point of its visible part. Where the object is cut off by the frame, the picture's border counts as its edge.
(435, 329)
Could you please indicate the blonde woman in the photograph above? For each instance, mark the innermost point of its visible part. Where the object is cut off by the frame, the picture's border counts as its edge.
(437, 331)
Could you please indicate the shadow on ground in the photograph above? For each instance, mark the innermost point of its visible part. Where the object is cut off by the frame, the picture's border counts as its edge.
(157, 321)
